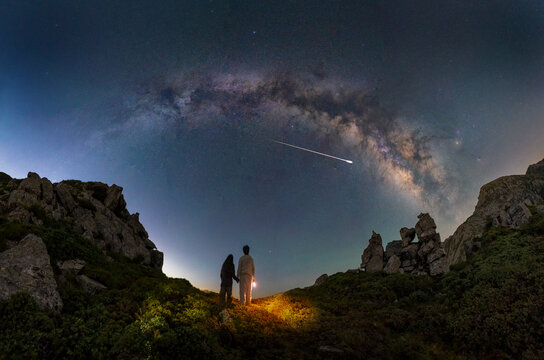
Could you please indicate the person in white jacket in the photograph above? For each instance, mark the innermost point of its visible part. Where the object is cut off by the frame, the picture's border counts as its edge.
(246, 274)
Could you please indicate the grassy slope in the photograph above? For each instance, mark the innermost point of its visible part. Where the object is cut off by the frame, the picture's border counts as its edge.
(491, 306)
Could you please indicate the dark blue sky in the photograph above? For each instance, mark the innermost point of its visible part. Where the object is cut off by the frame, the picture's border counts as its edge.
(176, 101)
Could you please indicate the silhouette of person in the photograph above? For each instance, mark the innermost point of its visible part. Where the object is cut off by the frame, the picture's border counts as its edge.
(227, 274)
(246, 273)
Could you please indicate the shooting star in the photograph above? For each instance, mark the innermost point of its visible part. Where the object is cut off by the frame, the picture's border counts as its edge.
(312, 151)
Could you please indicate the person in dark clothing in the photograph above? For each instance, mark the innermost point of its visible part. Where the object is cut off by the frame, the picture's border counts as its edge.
(227, 274)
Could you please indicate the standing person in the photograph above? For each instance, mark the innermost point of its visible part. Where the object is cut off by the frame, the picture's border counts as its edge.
(246, 273)
(227, 274)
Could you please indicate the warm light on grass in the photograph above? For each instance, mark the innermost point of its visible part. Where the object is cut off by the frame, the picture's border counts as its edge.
(295, 312)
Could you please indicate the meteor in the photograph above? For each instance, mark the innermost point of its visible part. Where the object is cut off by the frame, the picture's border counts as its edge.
(312, 151)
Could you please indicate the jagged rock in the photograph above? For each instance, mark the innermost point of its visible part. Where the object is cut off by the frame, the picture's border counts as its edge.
(26, 268)
(425, 227)
(409, 252)
(26, 194)
(407, 236)
(115, 201)
(393, 248)
(97, 211)
(536, 169)
(393, 265)
(19, 214)
(65, 197)
(439, 266)
(426, 248)
(436, 254)
(540, 208)
(32, 184)
(98, 190)
(47, 191)
(502, 202)
(320, 280)
(157, 258)
(71, 267)
(89, 285)
(372, 258)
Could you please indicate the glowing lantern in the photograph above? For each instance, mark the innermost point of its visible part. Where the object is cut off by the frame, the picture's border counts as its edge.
(254, 284)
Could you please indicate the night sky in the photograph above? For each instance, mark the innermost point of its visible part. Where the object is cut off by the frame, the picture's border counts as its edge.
(178, 101)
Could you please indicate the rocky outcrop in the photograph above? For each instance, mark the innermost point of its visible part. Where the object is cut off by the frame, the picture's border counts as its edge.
(426, 257)
(407, 235)
(71, 267)
(89, 285)
(320, 280)
(96, 209)
(372, 258)
(393, 265)
(536, 169)
(26, 268)
(507, 202)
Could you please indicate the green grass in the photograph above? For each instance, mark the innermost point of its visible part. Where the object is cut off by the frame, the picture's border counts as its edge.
(490, 306)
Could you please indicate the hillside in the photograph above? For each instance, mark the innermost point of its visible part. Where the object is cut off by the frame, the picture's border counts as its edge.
(489, 305)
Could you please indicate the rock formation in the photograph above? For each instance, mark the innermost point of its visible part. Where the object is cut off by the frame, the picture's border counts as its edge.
(372, 258)
(26, 268)
(96, 209)
(508, 201)
(427, 256)
(320, 280)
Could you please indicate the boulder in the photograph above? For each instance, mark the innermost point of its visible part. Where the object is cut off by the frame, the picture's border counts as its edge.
(48, 194)
(26, 268)
(115, 201)
(32, 184)
(426, 248)
(407, 236)
(157, 258)
(436, 254)
(393, 265)
(393, 248)
(439, 266)
(89, 285)
(71, 267)
(65, 197)
(409, 252)
(372, 258)
(425, 227)
(320, 280)
(536, 169)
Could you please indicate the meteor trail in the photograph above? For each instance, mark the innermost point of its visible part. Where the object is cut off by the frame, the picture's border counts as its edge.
(312, 151)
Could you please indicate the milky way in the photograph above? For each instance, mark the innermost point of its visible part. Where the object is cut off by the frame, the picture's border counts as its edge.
(339, 117)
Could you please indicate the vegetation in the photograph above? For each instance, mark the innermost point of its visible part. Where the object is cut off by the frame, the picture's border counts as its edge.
(4, 178)
(491, 306)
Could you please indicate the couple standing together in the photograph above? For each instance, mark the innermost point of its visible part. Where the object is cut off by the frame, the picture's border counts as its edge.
(245, 276)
